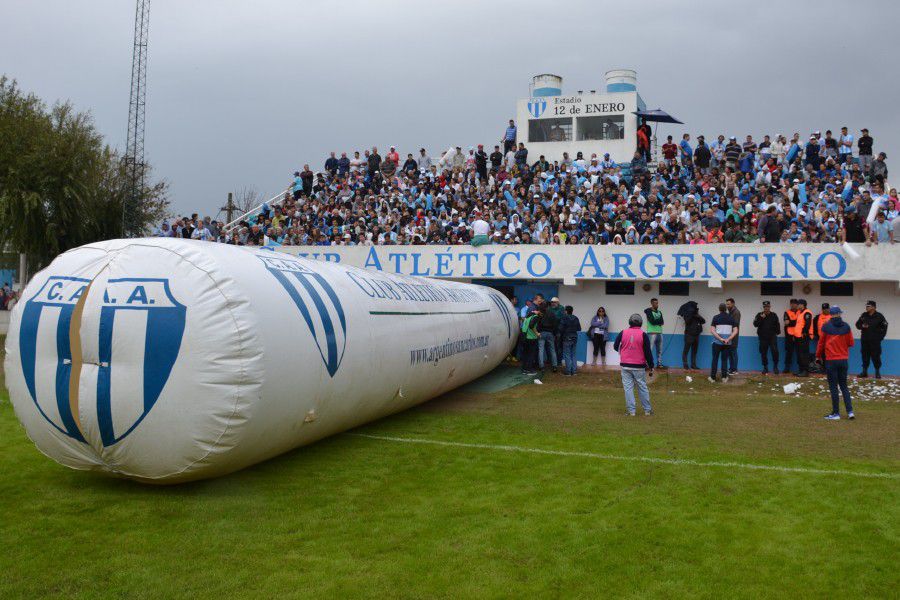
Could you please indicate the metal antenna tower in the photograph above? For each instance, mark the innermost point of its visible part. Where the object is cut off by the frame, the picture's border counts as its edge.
(134, 152)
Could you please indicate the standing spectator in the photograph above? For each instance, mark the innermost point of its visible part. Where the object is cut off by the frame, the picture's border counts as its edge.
(853, 226)
(373, 163)
(879, 168)
(845, 148)
(496, 159)
(481, 230)
(636, 360)
(297, 186)
(509, 137)
(424, 161)
(331, 164)
(693, 328)
(702, 156)
(530, 331)
(767, 330)
(873, 328)
(724, 330)
(655, 324)
(481, 159)
(522, 157)
(669, 151)
(732, 153)
(834, 349)
(881, 230)
(559, 312)
(736, 315)
(569, 328)
(865, 151)
(687, 152)
(547, 342)
(598, 331)
(801, 333)
(717, 149)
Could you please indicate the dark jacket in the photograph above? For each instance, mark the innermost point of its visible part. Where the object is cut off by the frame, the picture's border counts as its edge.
(693, 325)
(651, 319)
(768, 327)
(549, 321)
(873, 327)
(569, 326)
(702, 156)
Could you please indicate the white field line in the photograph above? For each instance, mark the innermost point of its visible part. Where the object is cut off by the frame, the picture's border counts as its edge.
(643, 459)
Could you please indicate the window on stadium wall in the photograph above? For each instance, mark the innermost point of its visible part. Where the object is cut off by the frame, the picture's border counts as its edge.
(836, 288)
(776, 288)
(674, 288)
(550, 130)
(600, 128)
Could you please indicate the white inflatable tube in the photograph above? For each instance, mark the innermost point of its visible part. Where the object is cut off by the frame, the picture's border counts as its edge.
(170, 360)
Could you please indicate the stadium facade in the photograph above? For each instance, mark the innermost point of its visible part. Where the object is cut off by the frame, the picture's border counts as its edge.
(623, 279)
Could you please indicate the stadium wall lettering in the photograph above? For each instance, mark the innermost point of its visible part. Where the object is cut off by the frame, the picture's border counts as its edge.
(721, 262)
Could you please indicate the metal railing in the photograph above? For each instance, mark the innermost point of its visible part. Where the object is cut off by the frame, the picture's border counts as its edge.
(274, 201)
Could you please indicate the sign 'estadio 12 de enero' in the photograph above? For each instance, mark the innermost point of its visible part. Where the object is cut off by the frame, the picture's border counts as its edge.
(170, 360)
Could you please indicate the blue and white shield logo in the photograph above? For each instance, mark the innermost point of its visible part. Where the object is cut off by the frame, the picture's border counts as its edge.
(49, 340)
(319, 305)
(537, 106)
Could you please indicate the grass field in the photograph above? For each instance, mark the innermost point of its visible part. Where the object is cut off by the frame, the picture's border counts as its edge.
(357, 516)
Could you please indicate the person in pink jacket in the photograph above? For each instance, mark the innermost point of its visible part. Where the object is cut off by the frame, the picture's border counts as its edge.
(635, 360)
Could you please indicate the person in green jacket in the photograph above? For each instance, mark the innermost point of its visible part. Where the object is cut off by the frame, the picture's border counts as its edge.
(654, 329)
(530, 333)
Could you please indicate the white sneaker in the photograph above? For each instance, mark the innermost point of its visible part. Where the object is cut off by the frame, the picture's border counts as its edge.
(711, 379)
(631, 414)
(724, 380)
(851, 416)
(833, 417)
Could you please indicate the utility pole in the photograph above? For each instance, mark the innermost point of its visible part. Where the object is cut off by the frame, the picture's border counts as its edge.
(229, 208)
(134, 151)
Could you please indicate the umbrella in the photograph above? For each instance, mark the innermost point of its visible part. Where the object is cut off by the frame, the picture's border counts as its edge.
(658, 115)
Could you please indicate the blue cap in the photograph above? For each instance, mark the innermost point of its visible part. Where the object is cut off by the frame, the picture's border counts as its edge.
(835, 310)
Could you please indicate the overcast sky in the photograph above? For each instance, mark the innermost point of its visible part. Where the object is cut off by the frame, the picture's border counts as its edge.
(242, 93)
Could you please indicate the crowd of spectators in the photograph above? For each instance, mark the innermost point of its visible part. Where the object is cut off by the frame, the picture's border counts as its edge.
(825, 188)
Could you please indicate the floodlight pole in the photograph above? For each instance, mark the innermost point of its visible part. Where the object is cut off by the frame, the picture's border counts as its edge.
(134, 147)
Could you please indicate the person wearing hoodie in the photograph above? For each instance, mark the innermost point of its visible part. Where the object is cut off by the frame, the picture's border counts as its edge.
(834, 349)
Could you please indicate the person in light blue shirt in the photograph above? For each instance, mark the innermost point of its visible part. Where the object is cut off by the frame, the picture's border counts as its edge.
(881, 229)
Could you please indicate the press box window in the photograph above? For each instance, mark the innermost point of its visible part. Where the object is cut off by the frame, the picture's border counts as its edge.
(674, 288)
(550, 130)
(620, 288)
(836, 288)
(601, 128)
(776, 288)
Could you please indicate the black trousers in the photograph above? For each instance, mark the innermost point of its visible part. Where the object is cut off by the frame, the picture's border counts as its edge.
(508, 145)
(788, 353)
(871, 351)
(801, 347)
(530, 358)
(599, 341)
(767, 346)
(691, 345)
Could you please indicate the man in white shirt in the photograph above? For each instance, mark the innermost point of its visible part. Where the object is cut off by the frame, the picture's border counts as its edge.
(481, 230)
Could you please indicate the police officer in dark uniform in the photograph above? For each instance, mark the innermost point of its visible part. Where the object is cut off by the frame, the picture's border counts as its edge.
(767, 330)
(873, 328)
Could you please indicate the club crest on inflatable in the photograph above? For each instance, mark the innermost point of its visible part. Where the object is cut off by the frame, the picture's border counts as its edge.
(169, 360)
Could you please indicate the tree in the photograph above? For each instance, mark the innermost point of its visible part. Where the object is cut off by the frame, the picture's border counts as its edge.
(60, 185)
